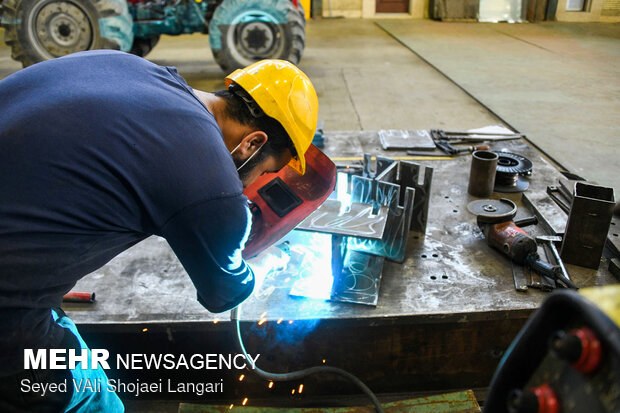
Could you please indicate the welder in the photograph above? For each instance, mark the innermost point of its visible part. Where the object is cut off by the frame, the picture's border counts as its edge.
(101, 149)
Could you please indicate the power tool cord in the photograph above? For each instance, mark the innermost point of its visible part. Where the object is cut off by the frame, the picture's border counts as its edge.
(295, 375)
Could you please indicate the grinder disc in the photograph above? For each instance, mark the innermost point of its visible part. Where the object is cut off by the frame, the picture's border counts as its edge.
(513, 163)
(493, 210)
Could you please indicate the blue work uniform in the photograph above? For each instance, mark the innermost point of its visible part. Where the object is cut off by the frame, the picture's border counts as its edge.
(99, 150)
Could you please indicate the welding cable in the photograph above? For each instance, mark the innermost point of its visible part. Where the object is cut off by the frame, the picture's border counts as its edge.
(235, 316)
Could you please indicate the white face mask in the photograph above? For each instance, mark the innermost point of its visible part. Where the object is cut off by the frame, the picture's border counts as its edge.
(247, 160)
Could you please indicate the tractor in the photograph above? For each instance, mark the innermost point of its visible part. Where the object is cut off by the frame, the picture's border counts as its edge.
(240, 31)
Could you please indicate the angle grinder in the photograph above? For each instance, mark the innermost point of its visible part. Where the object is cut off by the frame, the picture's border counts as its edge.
(496, 220)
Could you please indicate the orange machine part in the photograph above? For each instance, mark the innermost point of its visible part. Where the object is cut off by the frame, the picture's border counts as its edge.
(312, 189)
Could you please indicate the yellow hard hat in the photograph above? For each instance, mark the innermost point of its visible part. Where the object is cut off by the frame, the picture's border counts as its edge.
(286, 94)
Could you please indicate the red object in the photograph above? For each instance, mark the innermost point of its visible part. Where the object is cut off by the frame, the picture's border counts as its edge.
(547, 400)
(511, 240)
(591, 352)
(312, 188)
(75, 297)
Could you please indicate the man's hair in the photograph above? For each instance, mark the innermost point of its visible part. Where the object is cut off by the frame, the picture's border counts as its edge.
(242, 108)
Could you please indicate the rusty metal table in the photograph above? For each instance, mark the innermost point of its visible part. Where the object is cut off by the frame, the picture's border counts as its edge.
(443, 319)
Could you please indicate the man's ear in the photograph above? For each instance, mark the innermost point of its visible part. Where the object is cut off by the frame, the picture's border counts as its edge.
(251, 142)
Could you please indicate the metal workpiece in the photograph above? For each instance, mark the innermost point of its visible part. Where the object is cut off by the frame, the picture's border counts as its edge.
(386, 195)
(562, 194)
(614, 267)
(409, 177)
(449, 274)
(359, 220)
(405, 139)
(359, 280)
(551, 217)
(519, 277)
(613, 238)
(482, 173)
(406, 174)
(588, 225)
(556, 194)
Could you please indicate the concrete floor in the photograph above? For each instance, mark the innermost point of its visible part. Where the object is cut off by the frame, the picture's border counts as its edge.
(557, 83)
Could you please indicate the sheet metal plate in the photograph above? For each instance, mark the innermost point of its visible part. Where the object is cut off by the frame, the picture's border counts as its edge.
(358, 221)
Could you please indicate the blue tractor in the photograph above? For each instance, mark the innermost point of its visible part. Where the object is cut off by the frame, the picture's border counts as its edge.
(240, 31)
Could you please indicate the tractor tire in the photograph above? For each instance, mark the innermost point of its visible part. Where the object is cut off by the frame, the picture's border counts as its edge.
(242, 32)
(141, 47)
(38, 30)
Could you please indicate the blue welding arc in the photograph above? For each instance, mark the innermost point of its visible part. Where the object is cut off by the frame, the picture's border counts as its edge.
(299, 374)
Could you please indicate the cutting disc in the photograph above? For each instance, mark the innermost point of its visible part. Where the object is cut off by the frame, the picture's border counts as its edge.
(513, 163)
(520, 183)
(493, 210)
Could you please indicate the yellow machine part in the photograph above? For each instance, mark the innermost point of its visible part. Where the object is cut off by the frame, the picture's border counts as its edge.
(306, 5)
(606, 298)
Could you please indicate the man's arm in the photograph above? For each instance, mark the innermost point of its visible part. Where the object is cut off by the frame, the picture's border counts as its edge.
(208, 238)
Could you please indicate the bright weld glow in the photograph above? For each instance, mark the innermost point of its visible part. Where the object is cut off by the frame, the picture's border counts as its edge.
(261, 322)
(241, 377)
(290, 321)
(272, 260)
(270, 384)
(315, 270)
(342, 194)
(279, 320)
(216, 321)
(323, 361)
(301, 388)
(245, 401)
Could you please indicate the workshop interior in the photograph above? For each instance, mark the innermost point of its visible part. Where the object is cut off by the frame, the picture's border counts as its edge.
(453, 245)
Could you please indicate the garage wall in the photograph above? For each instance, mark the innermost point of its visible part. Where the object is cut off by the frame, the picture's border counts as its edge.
(418, 9)
(598, 11)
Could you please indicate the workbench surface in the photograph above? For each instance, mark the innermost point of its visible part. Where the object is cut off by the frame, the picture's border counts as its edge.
(449, 273)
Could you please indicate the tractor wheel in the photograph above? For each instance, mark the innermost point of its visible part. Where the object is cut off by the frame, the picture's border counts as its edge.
(38, 30)
(141, 47)
(242, 32)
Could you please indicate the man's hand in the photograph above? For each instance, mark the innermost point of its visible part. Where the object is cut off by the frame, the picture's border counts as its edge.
(273, 259)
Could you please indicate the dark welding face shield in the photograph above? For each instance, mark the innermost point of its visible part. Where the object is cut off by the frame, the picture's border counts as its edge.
(280, 201)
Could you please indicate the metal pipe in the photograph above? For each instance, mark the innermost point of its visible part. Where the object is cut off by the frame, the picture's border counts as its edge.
(482, 173)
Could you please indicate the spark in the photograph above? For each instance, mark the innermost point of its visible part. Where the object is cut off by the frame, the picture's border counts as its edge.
(287, 279)
(270, 384)
(290, 321)
(293, 391)
(231, 406)
(241, 377)
(144, 330)
(279, 320)
(216, 321)
(263, 314)
(301, 388)
(261, 322)
(323, 361)
(245, 401)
